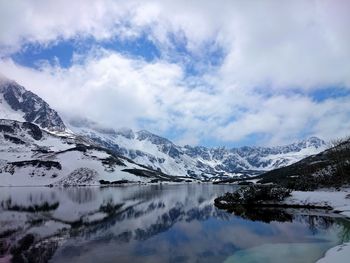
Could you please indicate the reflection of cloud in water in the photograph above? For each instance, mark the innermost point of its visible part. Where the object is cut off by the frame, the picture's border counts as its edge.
(276, 253)
(169, 223)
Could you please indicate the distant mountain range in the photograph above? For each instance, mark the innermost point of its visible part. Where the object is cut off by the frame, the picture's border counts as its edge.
(329, 168)
(196, 161)
(158, 156)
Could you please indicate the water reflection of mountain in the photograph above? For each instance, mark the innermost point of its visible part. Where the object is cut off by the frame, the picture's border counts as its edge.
(149, 211)
(80, 195)
(153, 223)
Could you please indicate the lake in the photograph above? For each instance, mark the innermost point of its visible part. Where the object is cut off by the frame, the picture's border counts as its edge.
(156, 223)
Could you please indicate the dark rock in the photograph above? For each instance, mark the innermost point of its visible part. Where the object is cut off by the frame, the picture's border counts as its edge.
(13, 139)
(6, 128)
(33, 130)
(23, 244)
(34, 108)
(104, 182)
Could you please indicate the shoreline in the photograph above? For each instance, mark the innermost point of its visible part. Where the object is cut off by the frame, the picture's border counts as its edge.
(338, 201)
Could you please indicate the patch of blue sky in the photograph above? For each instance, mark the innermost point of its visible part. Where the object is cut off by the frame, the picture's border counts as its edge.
(317, 94)
(141, 47)
(331, 92)
(61, 52)
(32, 55)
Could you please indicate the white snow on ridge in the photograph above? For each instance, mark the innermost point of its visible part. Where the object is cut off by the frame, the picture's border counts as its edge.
(6, 112)
(159, 153)
(26, 160)
(291, 157)
(167, 165)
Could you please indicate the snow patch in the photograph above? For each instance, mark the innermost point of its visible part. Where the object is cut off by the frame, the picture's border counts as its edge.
(338, 254)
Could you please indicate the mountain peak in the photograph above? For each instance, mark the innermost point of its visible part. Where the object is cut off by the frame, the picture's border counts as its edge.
(20, 104)
(146, 135)
(313, 142)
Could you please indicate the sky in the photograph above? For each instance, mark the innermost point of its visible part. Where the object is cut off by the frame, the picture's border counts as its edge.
(213, 73)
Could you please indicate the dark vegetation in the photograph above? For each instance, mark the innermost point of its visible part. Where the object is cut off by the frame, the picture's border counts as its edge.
(118, 182)
(254, 195)
(261, 202)
(330, 168)
(38, 163)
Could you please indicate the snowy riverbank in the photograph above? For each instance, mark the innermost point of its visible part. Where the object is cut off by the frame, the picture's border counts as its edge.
(338, 200)
(338, 254)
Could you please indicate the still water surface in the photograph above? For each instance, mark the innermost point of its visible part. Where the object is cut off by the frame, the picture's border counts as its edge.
(162, 223)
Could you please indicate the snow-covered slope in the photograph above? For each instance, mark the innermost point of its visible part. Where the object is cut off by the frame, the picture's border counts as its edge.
(17, 103)
(160, 153)
(143, 147)
(32, 156)
(329, 168)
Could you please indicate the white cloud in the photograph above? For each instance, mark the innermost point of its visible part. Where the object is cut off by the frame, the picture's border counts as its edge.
(285, 118)
(271, 47)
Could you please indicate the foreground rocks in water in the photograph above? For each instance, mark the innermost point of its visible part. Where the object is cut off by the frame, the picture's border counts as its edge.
(253, 195)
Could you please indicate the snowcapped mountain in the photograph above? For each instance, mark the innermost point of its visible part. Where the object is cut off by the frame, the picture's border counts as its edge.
(329, 168)
(17, 103)
(37, 148)
(30, 155)
(201, 162)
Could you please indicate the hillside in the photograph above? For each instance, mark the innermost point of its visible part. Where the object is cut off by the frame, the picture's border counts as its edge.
(330, 168)
(32, 156)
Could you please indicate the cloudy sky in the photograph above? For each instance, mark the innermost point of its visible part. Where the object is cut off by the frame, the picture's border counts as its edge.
(198, 72)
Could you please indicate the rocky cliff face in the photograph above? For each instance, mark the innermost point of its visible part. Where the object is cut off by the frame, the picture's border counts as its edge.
(27, 106)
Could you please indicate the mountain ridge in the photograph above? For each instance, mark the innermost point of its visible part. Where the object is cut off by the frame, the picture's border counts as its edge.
(150, 150)
(199, 161)
(28, 106)
(33, 156)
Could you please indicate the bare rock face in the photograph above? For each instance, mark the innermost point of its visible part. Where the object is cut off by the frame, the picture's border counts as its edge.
(80, 176)
(30, 106)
